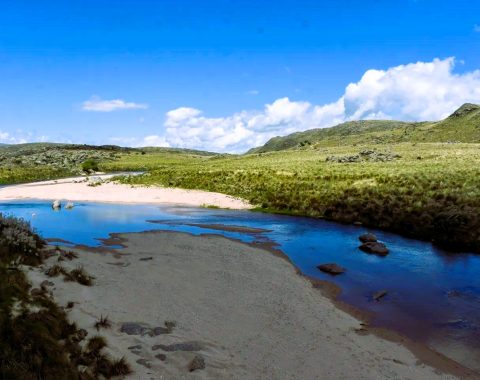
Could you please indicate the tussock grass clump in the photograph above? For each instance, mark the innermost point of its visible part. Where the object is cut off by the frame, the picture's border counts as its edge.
(96, 344)
(103, 323)
(55, 271)
(79, 275)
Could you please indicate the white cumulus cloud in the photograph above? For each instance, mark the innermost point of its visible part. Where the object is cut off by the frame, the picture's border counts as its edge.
(96, 104)
(414, 92)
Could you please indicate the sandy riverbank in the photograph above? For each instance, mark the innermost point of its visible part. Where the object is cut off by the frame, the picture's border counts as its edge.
(76, 189)
(249, 313)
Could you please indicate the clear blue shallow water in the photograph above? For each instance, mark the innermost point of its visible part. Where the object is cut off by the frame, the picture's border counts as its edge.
(433, 296)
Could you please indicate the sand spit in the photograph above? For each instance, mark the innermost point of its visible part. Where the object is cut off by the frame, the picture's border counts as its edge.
(96, 190)
(242, 310)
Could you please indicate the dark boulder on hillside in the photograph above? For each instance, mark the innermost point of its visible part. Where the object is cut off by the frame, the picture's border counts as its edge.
(366, 238)
(375, 248)
(332, 269)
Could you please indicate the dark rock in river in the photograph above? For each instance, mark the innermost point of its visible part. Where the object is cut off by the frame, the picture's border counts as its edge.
(366, 238)
(379, 295)
(333, 269)
(375, 248)
(198, 362)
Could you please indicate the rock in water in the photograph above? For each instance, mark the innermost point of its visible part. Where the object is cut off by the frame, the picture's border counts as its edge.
(69, 205)
(375, 248)
(198, 362)
(366, 238)
(332, 269)
(380, 294)
(56, 205)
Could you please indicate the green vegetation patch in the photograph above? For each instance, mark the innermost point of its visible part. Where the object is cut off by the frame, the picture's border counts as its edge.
(428, 191)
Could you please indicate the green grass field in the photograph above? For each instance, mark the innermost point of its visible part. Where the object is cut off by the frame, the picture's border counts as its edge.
(431, 192)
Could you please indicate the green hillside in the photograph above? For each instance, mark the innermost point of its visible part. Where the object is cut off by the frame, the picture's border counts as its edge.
(462, 126)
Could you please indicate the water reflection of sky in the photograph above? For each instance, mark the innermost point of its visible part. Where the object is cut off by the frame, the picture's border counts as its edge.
(427, 287)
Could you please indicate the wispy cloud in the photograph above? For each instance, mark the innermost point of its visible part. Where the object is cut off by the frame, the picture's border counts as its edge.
(476, 28)
(95, 104)
(253, 92)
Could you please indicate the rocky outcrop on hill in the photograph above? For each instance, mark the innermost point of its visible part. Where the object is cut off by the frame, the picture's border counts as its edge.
(365, 155)
(56, 158)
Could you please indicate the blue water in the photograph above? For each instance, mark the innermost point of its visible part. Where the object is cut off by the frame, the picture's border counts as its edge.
(433, 295)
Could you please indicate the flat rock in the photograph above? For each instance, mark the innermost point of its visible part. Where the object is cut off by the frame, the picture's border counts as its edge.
(198, 362)
(184, 346)
(332, 269)
(135, 328)
(375, 248)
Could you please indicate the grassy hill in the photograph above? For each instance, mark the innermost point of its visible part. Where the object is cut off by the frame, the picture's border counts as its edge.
(462, 126)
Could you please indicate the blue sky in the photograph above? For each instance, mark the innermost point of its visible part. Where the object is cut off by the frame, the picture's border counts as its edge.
(218, 64)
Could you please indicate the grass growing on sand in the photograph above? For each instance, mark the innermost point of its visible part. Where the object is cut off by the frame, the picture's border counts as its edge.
(432, 191)
(36, 339)
(23, 174)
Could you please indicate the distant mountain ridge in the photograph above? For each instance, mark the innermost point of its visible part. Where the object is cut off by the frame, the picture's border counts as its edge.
(461, 126)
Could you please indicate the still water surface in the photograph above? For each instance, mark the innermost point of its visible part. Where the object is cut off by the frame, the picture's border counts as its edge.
(433, 296)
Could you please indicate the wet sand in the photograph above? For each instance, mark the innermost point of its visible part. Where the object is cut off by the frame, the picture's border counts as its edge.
(248, 311)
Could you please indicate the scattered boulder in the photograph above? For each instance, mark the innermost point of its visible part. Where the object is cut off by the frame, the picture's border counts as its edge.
(56, 205)
(161, 357)
(332, 269)
(184, 346)
(368, 237)
(375, 248)
(198, 362)
(379, 295)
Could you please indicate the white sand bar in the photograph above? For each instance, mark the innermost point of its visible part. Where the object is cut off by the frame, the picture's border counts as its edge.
(250, 315)
(76, 189)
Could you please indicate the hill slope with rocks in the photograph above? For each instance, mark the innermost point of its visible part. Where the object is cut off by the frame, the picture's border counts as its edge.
(461, 126)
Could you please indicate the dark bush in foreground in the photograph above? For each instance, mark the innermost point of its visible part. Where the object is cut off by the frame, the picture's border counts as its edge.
(36, 339)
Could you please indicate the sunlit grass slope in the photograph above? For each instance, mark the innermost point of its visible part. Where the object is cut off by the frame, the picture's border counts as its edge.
(432, 191)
